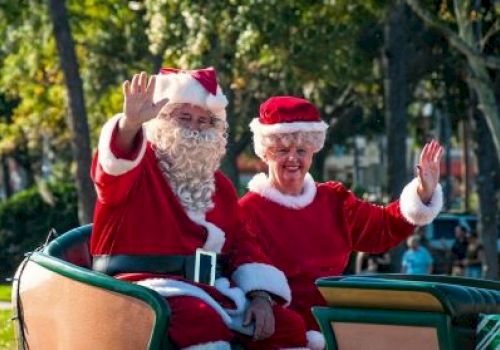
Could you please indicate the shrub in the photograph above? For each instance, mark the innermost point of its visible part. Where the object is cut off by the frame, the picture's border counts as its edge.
(26, 217)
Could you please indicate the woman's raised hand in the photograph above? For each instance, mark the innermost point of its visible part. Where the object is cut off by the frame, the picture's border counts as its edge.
(428, 170)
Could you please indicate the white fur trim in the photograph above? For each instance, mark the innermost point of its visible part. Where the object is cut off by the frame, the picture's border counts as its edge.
(217, 102)
(258, 276)
(183, 88)
(216, 345)
(234, 293)
(285, 128)
(261, 184)
(215, 236)
(412, 208)
(315, 340)
(174, 288)
(109, 162)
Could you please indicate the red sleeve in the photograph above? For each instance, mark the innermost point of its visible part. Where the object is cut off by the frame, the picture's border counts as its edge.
(112, 189)
(372, 228)
(120, 153)
(114, 171)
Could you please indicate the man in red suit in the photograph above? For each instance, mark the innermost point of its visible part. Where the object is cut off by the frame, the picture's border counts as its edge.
(309, 229)
(161, 199)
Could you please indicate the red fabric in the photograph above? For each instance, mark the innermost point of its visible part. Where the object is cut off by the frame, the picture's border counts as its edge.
(317, 240)
(188, 311)
(138, 213)
(207, 77)
(119, 153)
(195, 322)
(287, 109)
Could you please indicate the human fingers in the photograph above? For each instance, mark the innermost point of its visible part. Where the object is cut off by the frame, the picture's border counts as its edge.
(439, 154)
(143, 80)
(134, 87)
(259, 326)
(150, 88)
(248, 317)
(126, 88)
(423, 153)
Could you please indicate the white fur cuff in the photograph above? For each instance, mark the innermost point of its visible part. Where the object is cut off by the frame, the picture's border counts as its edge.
(109, 162)
(412, 208)
(216, 345)
(258, 276)
(315, 340)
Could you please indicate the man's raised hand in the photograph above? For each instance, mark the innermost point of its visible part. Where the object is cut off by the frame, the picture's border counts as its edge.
(138, 106)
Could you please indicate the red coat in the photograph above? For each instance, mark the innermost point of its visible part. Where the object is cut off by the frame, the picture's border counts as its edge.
(312, 235)
(138, 213)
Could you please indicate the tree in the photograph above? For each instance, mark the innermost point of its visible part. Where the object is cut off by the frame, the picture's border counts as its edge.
(77, 117)
(265, 49)
(478, 61)
(487, 183)
(396, 96)
(470, 42)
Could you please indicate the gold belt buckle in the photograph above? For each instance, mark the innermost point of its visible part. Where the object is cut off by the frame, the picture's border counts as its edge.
(205, 259)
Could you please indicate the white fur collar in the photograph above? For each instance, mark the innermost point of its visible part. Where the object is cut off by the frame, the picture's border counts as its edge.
(261, 184)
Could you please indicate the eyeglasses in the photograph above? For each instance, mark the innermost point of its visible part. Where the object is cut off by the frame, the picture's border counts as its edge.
(186, 119)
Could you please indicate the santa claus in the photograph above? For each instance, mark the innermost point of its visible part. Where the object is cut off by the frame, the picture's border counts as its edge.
(309, 229)
(161, 199)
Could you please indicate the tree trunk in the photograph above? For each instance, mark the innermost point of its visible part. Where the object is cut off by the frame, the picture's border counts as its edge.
(479, 80)
(487, 160)
(395, 95)
(446, 133)
(77, 117)
(466, 166)
(6, 177)
(488, 203)
(24, 160)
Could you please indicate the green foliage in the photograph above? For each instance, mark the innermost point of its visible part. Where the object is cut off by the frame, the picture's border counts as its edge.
(5, 291)
(25, 220)
(7, 340)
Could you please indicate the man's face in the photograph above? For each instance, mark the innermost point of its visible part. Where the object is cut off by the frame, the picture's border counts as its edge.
(192, 117)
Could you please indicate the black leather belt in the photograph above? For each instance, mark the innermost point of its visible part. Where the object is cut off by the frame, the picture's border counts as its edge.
(179, 265)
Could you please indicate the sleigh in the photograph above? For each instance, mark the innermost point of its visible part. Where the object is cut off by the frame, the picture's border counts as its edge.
(60, 303)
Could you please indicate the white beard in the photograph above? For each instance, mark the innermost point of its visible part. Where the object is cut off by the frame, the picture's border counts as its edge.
(188, 160)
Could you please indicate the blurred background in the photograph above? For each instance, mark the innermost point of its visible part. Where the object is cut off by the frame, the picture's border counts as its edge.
(387, 76)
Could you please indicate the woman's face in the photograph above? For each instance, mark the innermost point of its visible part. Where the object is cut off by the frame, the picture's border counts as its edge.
(288, 166)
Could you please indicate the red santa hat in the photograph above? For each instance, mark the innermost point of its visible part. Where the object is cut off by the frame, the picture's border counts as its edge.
(287, 114)
(284, 115)
(197, 87)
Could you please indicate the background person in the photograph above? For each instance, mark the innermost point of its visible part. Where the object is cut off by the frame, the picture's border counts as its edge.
(416, 260)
